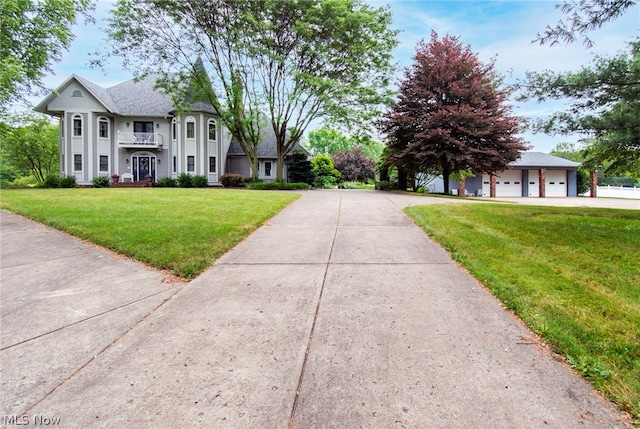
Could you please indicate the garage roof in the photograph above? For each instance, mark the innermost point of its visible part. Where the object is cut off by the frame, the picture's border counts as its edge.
(541, 159)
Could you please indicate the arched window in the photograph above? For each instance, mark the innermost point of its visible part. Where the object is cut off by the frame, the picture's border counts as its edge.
(103, 128)
(191, 127)
(77, 93)
(212, 129)
(77, 126)
(174, 133)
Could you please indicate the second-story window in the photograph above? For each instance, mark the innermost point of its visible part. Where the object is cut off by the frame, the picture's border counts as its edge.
(191, 128)
(212, 129)
(103, 128)
(77, 126)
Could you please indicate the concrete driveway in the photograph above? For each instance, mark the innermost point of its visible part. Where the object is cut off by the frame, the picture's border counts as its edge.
(339, 312)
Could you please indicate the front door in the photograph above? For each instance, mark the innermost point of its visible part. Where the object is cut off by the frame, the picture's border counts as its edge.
(144, 165)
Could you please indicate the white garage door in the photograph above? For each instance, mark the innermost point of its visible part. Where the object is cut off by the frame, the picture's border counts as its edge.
(556, 183)
(509, 184)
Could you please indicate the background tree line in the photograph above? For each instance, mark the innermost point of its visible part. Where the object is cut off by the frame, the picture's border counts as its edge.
(312, 59)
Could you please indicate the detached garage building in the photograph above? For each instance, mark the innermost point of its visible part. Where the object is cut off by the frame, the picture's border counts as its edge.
(535, 174)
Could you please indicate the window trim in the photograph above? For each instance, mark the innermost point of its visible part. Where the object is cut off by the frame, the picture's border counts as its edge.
(191, 163)
(215, 164)
(211, 122)
(190, 120)
(264, 168)
(77, 160)
(103, 120)
(174, 129)
(77, 131)
(100, 164)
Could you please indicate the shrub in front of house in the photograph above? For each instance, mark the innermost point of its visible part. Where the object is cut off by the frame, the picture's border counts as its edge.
(199, 181)
(280, 186)
(51, 181)
(100, 182)
(232, 180)
(166, 182)
(55, 181)
(185, 180)
(68, 181)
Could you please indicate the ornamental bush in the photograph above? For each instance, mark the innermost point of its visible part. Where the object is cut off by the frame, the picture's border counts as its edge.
(185, 180)
(51, 181)
(166, 182)
(100, 182)
(68, 181)
(325, 174)
(232, 180)
(354, 165)
(199, 181)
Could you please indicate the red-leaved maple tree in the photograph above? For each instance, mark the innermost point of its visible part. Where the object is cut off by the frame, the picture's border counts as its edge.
(451, 118)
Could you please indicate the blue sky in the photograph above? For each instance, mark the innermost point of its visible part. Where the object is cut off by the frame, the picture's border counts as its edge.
(500, 29)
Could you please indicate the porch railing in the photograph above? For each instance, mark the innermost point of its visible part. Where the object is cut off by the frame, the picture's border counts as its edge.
(133, 139)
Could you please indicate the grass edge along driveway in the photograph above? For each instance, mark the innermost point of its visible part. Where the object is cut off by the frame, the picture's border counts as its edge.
(571, 274)
(180, 230)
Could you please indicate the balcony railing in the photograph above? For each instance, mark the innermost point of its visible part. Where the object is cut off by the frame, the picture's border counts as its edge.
(139, 140)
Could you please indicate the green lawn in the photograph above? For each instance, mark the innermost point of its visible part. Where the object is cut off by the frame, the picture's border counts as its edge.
(176, 229)
(572, 275)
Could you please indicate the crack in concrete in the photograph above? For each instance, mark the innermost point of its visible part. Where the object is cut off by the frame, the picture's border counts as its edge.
(315, 319)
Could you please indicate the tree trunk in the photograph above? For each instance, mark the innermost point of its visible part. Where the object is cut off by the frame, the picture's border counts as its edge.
(253, 160)
(445, 179)
(280, 168)
(402, 179)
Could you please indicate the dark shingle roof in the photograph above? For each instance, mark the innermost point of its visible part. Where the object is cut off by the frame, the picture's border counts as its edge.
(139, 98)
(541, 159)
(130, 98)
(266, 149)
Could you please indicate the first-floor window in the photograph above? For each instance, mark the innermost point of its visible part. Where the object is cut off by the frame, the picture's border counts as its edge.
(77, 162)
(212, 164)
(104, 163)
(175, 163)
(267, 168)
(191, 163)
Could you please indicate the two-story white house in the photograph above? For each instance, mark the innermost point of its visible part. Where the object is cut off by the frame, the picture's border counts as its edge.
(135, 131)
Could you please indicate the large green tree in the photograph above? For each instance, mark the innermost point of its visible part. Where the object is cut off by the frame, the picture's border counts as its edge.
(33, 35)
(603, 98)
(293, 60)
(581, 18)
(451, 116)
(604, 107)
(31, 142)
(329, 141)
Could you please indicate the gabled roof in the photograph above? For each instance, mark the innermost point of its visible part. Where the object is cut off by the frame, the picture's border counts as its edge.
(541, 159)
(266, 148)
(130, 98)
(96, 91)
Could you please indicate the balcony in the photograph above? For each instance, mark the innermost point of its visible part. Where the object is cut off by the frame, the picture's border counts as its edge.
(139, 140)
